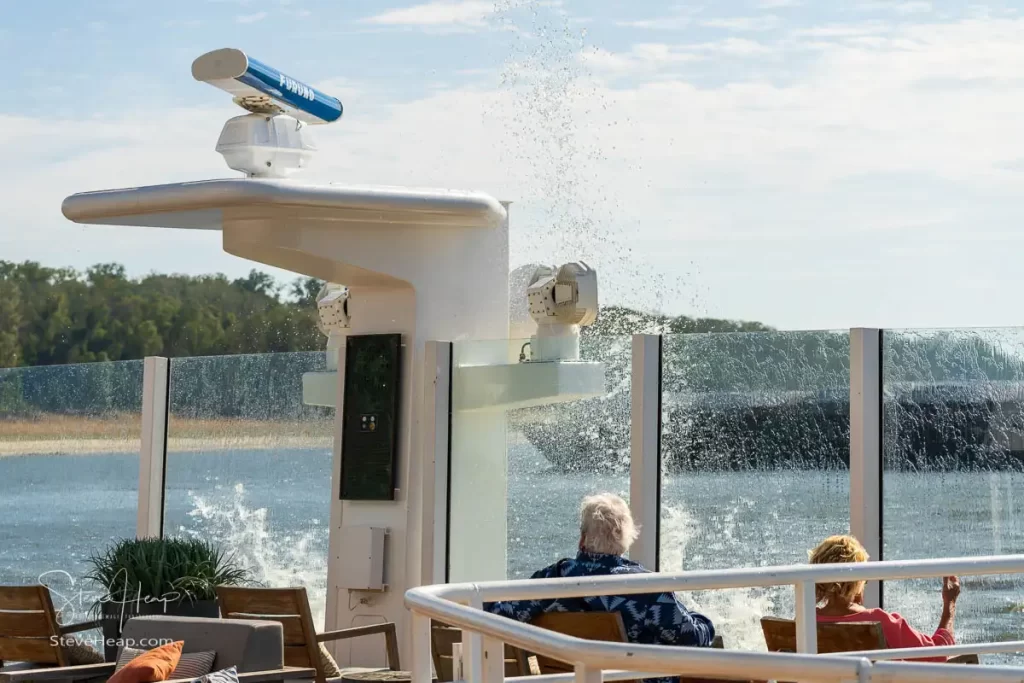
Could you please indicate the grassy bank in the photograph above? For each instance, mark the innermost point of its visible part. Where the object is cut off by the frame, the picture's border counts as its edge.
(76, 435)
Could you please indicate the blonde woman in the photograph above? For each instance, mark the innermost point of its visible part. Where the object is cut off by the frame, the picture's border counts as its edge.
(844, 601)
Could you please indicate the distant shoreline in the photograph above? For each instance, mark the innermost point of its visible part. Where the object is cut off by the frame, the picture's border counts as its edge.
(118, 446)
(72, 435)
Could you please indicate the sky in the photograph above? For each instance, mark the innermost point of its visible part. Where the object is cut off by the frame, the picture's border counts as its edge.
(810, 165)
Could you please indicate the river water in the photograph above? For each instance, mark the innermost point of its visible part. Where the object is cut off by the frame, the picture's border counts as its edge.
(270, 508)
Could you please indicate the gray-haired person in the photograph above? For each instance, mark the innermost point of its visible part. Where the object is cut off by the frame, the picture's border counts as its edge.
(606, 533)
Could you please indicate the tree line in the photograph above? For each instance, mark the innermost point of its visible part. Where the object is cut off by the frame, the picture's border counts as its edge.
(55, 316)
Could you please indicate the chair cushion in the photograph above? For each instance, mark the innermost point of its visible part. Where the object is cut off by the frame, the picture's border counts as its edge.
(191, 665)
(348, 670)
(79, 653)
(229, 675)
(247, 644)
(327, 663)
(150, 667)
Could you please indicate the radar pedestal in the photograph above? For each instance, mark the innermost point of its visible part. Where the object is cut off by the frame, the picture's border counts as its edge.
(419, 265)
(425, 265)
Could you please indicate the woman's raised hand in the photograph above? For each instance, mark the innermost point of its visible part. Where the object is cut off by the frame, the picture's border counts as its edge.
(950, 589)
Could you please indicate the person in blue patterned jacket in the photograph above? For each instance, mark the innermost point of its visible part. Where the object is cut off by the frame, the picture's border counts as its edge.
(606, 533)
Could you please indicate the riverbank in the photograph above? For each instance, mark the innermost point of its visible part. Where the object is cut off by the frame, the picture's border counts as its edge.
(76, 435)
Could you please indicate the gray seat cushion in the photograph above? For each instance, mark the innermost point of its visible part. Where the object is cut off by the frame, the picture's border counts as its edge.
(247, 644)
(346, 670)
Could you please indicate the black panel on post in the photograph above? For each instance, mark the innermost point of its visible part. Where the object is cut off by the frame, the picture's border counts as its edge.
(372, 401)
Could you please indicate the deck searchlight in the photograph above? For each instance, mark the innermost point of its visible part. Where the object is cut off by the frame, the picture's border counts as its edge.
(272, 140)
(420, 367)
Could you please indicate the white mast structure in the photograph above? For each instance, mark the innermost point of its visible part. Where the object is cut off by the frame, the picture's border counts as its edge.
(419, 263)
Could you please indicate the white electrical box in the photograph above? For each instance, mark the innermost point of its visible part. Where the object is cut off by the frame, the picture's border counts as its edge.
(361, 558)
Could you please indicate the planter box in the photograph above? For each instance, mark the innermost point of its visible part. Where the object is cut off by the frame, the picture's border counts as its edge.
(115, 616)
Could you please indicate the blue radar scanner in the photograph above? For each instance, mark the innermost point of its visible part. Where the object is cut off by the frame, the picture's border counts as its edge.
(262, 89)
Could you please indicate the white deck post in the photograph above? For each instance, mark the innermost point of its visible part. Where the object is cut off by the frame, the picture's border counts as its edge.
(588, 674)
(421, 660)
(473, 649)
(806, 618)
(645, 448)
(494, 660)
(866, 447)
(153, 453)
(436, 448)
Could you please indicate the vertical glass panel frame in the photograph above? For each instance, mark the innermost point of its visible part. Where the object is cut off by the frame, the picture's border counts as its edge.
(249, 466)
(69, 473)
(953, 470)
(755, 457)
(519, 472)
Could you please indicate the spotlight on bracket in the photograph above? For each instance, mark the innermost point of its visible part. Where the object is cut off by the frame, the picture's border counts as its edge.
(561, 301)
(332, 306)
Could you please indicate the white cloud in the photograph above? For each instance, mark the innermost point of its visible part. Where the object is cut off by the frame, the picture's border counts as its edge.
(643, 57)
(867, 158)
(760, 23)
(904, 8)
(773, 4)
(251, 18)
(466, 13)
(867, 28)
(663, 23)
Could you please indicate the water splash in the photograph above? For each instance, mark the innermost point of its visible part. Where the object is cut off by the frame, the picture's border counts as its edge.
(290, 558)
(736, 613)
(562, 154)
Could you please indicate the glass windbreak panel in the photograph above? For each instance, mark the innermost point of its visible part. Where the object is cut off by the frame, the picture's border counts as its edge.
(953, 445)
(530, 440)
(755, 458)
(69, 473)
(249, 466)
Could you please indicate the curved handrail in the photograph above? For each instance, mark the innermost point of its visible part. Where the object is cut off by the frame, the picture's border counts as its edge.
(747, 577)
(451, 603)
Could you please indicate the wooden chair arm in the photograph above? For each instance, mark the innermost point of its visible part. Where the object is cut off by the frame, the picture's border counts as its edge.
(355, 632)
(78, 628)
(387, 628)
(59, 673)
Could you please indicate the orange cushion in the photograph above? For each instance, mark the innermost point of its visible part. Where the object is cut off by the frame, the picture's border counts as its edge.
(151, 666)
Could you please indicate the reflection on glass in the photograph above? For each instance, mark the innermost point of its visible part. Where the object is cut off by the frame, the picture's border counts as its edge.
(249, 466)
(562, 452)
(553, 455)
(953, 444)
(69, 473)
(755, 451)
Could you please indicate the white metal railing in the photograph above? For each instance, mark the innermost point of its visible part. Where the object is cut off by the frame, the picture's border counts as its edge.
(485, 634)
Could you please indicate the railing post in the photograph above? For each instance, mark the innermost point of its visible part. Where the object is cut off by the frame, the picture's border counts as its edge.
(588, 674)
(806, 618)
(645, 448)
(473, 649)
(156, 384)
(494, 660)
(866, 447)
(421, 661)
